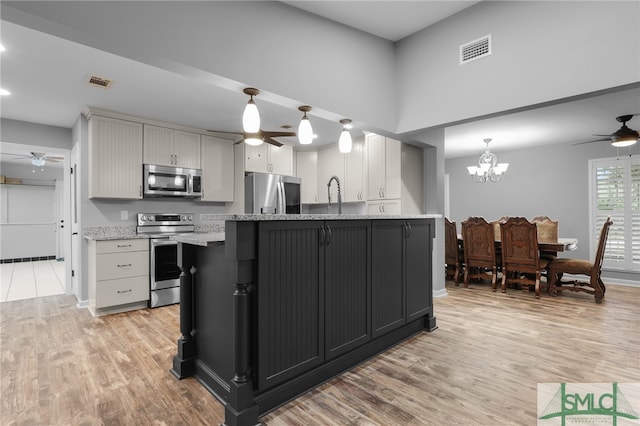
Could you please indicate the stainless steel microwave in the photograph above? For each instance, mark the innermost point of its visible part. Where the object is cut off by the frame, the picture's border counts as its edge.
(166, 181)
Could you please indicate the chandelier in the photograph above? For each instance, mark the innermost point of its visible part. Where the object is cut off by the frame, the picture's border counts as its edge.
(488, 168)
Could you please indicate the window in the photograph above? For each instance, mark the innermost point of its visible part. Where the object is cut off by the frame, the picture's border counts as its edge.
(615, 192)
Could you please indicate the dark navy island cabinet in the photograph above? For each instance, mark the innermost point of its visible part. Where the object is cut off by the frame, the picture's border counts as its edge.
(281, 306)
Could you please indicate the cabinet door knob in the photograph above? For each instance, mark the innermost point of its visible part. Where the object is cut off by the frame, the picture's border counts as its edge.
(322, 235)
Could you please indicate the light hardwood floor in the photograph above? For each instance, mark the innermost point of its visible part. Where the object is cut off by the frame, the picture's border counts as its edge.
(60, 366)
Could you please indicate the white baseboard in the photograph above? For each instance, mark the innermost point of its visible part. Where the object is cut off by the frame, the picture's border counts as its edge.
(440, 293)
(82, 304)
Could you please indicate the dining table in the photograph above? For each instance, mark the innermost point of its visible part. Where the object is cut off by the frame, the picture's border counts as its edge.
(561, 244)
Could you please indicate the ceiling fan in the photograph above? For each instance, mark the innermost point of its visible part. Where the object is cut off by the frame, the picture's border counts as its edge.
(624, 136)
(261, 135)
(39, 159)
(253, 134)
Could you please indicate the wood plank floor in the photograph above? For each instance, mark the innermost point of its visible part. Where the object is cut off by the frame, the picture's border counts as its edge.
(60, 366)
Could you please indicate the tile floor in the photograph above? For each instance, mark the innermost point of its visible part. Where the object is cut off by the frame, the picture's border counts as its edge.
(26, 280)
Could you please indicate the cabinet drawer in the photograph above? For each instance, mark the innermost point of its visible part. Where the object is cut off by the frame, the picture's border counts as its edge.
(122, 265)
(122, 291)
(120, 246)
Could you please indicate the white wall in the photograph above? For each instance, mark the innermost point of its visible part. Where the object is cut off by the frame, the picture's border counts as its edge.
(269, 45)
(541, 51)
(549, 180)
(29, 214)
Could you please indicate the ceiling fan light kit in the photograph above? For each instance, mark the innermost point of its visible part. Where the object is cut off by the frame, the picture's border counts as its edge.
(251, 115)
(305, 132)
(345, 142)
(488, 168)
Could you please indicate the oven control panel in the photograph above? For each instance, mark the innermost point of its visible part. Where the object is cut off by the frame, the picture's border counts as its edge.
(165, 219)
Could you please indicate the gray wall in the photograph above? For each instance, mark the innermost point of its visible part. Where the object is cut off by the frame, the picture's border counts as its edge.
(549, 180)
(539, 49)
(21, 132)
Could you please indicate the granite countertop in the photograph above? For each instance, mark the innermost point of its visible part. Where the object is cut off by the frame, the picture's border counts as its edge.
(208, 233)
(199, 238)
(269, 217)
(118, 232)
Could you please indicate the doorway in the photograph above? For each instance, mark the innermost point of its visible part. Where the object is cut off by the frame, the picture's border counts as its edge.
(20, 154)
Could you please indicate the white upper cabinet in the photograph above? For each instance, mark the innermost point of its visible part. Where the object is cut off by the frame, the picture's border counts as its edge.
(267, 158)
(395, 177)
(307, 170)
(330, 163)
(115, 158)
(217, 169)
(169, 147)
(384, 164)
(354, 173)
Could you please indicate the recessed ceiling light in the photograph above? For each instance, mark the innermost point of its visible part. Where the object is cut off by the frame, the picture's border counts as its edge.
(4, 92)
(2, 48)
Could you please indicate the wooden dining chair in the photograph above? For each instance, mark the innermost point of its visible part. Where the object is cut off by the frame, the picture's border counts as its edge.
(521, 262)
(496, 234)
(453, 253)
(479, 251)
(547, 231)
(593, 270)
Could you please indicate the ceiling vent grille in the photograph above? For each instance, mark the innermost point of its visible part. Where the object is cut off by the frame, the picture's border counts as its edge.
(100, 82)
(475, 49)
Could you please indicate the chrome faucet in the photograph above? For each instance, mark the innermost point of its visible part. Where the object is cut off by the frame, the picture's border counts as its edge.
(339, 194)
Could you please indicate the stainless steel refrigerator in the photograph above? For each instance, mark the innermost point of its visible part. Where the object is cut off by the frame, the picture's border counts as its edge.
(266, 193)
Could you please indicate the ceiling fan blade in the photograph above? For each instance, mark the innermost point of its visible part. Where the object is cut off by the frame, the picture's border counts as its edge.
(596, 140)
(229, 133)
(17, 155)
(272, 141)
(605, 135)
(276, 134)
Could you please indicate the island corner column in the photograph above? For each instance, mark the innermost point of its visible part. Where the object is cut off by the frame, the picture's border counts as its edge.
(241, 408)
(184, 360)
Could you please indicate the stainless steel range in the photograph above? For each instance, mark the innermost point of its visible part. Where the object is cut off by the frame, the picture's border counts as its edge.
(163, 270)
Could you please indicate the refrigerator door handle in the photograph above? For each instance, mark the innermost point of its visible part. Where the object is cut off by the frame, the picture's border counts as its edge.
(282, 201)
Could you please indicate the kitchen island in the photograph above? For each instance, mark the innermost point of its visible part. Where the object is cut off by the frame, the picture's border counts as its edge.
(279, 304)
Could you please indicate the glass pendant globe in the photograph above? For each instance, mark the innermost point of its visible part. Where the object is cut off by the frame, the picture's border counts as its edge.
(344, 143)
(305, 132)
(251, 118)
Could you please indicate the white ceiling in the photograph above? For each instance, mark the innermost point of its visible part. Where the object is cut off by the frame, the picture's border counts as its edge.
(391, 20)
(47, 76)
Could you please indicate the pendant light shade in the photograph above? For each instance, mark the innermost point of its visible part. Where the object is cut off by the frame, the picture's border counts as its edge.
(251, 116)
(305, 132)
(345, 142)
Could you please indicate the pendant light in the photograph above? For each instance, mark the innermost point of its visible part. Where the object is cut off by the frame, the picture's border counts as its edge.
(251, 116)
(305, 132)
(345, 142)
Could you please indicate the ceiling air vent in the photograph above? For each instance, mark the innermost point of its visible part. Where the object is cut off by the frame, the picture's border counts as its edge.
(103, 83)
(475, 49)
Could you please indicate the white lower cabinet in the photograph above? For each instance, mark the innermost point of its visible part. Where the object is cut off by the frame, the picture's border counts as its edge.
(118, 276)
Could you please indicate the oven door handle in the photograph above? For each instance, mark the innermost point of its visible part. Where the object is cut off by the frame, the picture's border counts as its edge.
(163, 242)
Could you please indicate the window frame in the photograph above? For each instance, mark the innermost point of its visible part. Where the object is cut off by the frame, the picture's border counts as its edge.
(631, 188)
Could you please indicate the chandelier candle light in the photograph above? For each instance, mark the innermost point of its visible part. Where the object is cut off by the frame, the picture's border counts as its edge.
(488, 168)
